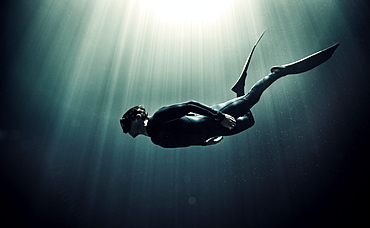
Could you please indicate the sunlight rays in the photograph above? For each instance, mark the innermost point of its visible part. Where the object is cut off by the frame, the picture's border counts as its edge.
(185, 11)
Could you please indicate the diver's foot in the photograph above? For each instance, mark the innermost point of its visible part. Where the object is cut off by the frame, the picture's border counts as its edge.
(284, 69)
(281, 70)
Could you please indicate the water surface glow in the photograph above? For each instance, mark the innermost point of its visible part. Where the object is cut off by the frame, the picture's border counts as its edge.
(74, 67)
(181, 11)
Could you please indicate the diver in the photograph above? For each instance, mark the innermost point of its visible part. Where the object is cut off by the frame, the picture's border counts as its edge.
(192, 123)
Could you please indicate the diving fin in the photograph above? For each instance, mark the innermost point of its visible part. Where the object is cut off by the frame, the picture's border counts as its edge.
(306, 63)
(238, 87)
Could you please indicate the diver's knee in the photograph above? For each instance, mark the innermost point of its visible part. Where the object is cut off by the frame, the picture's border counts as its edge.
(253, 96)
(246, 121)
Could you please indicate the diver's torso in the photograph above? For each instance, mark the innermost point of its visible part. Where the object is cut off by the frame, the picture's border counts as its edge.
(182, 132)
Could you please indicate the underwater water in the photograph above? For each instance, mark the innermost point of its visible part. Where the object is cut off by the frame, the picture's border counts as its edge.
(70, 69)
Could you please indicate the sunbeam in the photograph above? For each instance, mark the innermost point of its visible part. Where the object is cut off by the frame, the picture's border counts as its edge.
(187, 11)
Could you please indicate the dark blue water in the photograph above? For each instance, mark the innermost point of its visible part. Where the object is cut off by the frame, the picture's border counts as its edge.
(71, 68)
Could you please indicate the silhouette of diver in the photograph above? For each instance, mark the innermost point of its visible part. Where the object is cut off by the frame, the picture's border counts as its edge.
(192, 123)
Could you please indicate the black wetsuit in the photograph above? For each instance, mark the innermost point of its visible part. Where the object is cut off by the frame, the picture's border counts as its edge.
(174, 126)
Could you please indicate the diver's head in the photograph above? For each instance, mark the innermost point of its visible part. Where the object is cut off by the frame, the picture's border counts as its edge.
(133, 121)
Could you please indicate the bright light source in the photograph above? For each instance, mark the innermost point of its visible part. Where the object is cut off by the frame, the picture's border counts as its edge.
(187, 10)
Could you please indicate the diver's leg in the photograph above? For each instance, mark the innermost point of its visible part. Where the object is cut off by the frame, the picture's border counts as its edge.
(241, 106)
(254, 95)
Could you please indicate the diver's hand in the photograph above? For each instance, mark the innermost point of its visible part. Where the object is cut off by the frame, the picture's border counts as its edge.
(213, 140)
(229, 122)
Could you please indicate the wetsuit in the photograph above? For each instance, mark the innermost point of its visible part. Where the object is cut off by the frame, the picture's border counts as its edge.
(175, 126)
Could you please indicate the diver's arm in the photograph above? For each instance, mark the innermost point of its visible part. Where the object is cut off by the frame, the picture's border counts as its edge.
(176, 111)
